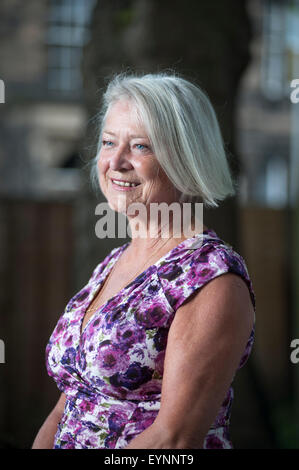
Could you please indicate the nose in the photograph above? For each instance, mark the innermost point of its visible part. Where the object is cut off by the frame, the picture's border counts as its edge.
(119, 160)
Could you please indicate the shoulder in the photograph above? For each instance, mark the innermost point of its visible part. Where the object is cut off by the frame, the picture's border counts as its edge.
(109, 258)
(223, 303)
(95, 277)
(195, 266)
(218, 321)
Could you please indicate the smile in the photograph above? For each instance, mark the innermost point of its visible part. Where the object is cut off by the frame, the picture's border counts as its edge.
(125, 183)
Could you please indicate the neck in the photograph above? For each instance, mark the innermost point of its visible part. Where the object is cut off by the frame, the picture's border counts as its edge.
(152, 233)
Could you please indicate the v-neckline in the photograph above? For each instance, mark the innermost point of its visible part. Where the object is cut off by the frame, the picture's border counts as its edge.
(106, 274)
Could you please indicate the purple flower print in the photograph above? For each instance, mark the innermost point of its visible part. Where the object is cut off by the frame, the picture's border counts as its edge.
(213, 442)
(143, 418)
(134, 376)
(117, 421)
(171, 295)
(111, 305)
(82, 296)
(128, 336)
(203, 256)
(66, 441)
(170, 271)
(69, 356)
(113, 316)
(206, 273)
(234, 263)
(91, 442)
(92, 426)
(153, 288)
(110, 358)
(98, 382)
(61, 327)
(139, 279)
(82, 360)
(69, 340)
(150, 317)
(111, 440)
(78, 299)
(112, 375)
(160, 339)
(68, 361)
(86, 406)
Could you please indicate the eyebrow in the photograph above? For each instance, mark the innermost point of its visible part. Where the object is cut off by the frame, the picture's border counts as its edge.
(132, 136)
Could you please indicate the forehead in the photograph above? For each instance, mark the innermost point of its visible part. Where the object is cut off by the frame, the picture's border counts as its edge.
(123, 114)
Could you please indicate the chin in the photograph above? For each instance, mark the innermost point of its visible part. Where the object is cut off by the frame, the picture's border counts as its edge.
(117, 205)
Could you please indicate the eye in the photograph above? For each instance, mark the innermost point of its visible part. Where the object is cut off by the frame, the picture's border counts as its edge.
(107, 143)
(142, 147)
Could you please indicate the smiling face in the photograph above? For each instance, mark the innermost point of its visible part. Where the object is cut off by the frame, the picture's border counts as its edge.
(128, 169)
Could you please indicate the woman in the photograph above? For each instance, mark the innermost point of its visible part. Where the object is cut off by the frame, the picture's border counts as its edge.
(145, 354)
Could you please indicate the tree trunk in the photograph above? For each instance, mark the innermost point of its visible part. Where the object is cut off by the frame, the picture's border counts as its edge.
(206, 43)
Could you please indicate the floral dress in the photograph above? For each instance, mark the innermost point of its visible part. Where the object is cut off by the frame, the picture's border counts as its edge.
(112, 371)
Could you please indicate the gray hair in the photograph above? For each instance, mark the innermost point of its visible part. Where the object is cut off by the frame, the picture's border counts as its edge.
(183, 131)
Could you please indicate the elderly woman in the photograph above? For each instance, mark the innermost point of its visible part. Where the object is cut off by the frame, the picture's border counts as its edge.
(145, 354)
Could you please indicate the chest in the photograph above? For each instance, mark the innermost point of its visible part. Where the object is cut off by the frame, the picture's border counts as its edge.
(110, 287)
(124, 271)
(124, 343)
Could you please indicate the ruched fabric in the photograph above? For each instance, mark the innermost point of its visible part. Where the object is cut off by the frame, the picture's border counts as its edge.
(112, 371)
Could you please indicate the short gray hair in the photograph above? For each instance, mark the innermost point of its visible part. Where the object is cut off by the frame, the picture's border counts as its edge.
(183, 131)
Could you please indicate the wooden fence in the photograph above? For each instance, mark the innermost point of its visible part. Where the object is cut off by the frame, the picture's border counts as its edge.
(37, 251)
(36, 279)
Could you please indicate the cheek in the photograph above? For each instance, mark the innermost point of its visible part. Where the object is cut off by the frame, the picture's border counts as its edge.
(103, 165)
(147, 168)
(102, 169)
(165, 187)
(158, 176)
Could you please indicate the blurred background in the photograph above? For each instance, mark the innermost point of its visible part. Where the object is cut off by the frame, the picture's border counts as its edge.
(55, 59)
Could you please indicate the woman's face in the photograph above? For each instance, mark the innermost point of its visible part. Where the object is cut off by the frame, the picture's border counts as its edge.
(126, 157)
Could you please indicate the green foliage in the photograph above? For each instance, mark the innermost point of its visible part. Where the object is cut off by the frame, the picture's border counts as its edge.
(123, 18)
(286, 426)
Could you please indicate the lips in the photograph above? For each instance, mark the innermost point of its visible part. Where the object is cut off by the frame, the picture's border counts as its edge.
(124, 183)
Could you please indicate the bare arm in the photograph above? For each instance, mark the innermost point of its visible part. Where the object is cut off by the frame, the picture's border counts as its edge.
(45, 436)
(205, 344)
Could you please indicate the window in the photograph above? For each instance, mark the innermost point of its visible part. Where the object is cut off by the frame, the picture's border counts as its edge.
(273, 50)
(276, 182)
(292, 40)
(68, 32)
(280, 47)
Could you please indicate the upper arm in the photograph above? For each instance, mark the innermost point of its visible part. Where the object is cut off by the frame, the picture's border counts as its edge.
(59, 407)
(205, 344)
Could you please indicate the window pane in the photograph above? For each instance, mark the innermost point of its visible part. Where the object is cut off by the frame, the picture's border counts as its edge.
(54, 79)
(60, 57)
(60, 35)
(65, 79)
(76, 56)
(61, 11)
(67, 33)
(80, 12)
(78, 36)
